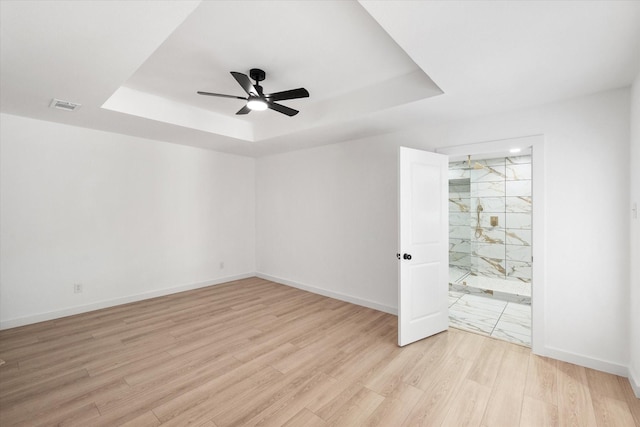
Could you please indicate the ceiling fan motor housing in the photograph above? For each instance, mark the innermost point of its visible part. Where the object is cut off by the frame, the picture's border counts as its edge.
(257, 74)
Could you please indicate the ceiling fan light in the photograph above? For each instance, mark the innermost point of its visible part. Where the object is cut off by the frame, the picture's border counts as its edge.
(257, 104)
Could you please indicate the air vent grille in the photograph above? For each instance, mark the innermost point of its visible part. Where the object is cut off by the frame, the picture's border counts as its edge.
(63, 105)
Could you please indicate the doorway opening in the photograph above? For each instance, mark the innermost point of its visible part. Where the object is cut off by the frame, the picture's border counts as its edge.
(490, 242)
(534, 146)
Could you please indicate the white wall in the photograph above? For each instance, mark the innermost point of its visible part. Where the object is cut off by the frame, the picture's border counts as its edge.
(326, 218)
(325, 221)
(128, 218)
(634, 309)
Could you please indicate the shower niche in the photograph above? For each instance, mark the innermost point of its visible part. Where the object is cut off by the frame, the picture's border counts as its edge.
(490, 209)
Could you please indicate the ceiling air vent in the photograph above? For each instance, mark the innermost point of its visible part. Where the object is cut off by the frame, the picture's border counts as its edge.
(63, 105)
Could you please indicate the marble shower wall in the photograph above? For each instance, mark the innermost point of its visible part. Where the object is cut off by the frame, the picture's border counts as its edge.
(502, 188)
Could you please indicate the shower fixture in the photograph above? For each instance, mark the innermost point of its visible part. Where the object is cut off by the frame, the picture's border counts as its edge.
(476, 165)
(478, 232)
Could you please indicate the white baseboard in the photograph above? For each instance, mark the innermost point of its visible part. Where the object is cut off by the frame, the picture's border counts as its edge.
(56, 314)
(634, 380)
(331, 294)
(586, 361)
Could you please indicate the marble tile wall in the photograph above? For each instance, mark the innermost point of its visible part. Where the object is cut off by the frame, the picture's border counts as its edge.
(499, 188)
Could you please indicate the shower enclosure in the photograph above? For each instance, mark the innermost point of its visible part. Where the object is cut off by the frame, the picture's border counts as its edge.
(490, 227)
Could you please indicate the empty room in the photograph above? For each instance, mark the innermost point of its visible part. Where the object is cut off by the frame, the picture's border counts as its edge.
(317, 213)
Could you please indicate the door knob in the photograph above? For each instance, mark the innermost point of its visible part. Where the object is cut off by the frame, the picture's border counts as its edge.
(406, 256)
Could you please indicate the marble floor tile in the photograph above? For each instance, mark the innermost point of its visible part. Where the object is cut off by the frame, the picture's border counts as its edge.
(522, 311)
(518, 327)
(504, 330)
(499, 319)
(513, 308)
(472, 323)
(479, 314)
(478, 302)
(475, 317)
(512, 337)
(523, 320)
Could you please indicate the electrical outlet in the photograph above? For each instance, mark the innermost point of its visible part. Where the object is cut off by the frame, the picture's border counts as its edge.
(77, 288)
(222, 265)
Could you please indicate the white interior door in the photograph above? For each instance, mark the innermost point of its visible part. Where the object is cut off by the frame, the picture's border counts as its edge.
(424, 243)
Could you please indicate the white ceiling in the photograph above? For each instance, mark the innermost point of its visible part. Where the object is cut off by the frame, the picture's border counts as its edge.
(373, 72)
(371, 67)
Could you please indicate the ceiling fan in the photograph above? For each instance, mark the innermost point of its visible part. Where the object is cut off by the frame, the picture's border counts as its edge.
(257, 100)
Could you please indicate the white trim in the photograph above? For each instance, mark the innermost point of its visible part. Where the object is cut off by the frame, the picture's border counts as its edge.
(41, 317)
(538, 247)
(586, 361)
(488, 149)
(335, 295)
(634, 380)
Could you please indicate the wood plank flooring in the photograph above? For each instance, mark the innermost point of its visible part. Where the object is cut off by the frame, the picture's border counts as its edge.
(254, 352)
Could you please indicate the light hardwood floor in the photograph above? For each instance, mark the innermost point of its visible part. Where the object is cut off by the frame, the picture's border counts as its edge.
(253, 352)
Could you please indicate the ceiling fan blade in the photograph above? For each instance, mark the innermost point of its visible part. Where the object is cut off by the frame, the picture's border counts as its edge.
(245, 82)
(282, 109)
(220, 95)
(244, 110)
(288, 94)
